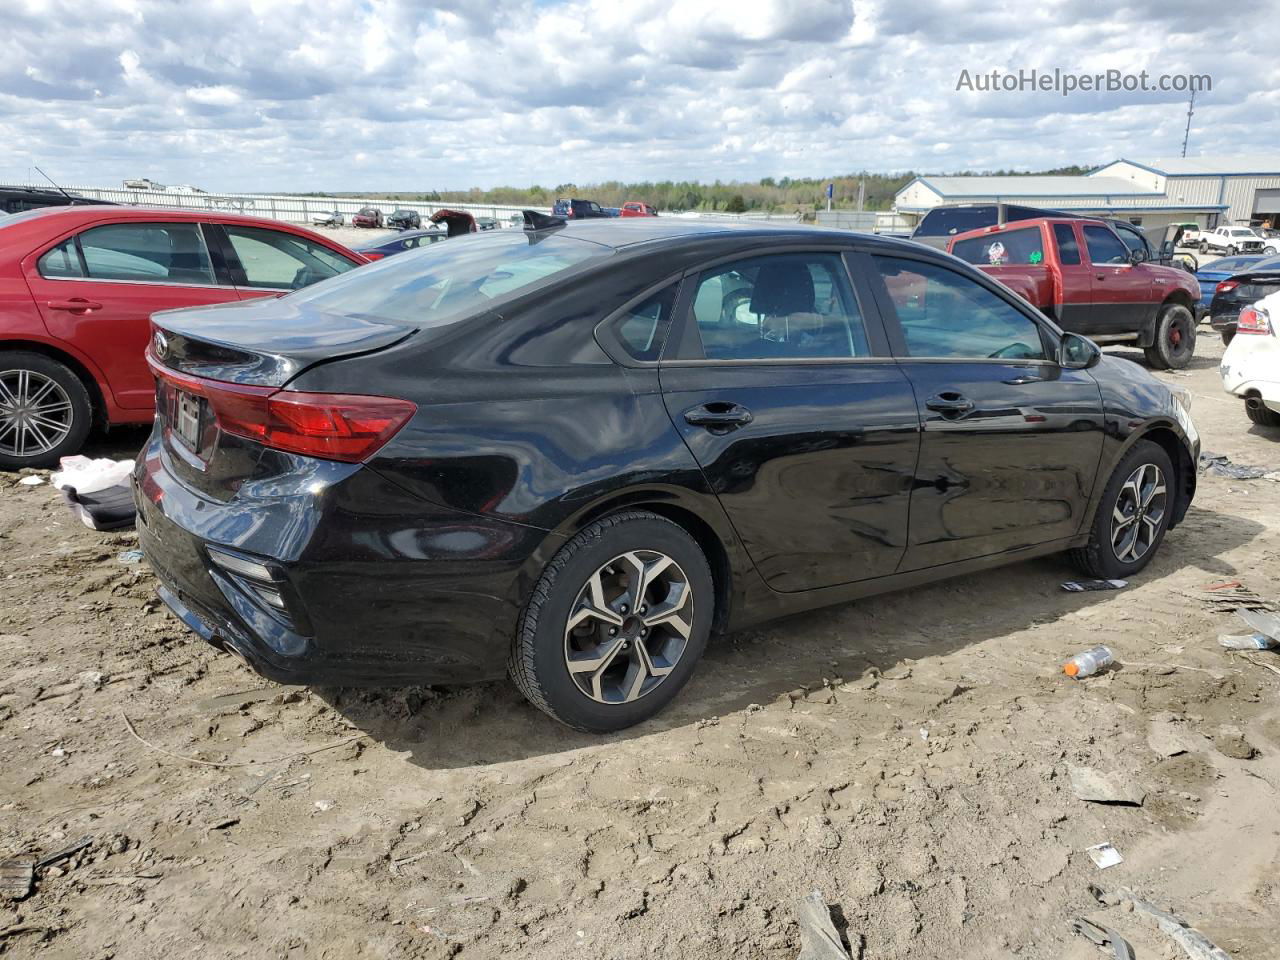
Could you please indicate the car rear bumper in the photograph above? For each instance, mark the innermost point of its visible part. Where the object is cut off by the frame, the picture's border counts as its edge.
(375, 586)
(1251, 368)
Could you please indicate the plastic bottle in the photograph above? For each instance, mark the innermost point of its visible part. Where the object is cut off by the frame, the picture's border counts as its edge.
(1088, 663)
(1248, 641)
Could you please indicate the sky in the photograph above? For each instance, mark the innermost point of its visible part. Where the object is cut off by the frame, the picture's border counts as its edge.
(277, 95)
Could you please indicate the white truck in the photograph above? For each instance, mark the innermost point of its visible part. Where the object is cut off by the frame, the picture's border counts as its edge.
(1230, 241)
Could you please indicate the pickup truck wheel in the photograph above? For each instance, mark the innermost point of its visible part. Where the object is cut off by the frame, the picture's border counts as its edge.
(1204, 247)
(1175, 342)
(1232, 250)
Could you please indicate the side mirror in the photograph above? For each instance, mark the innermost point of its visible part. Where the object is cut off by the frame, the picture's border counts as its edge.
(1137, 256)
(1078, 353)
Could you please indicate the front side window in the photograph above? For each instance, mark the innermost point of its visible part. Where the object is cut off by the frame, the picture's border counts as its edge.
(787, 306)
(1104, 246)
(946, 314)
(276, 260)
(148, 252)
(1068, 249)
(1132, 239)
(61, 262)
(1019, 247)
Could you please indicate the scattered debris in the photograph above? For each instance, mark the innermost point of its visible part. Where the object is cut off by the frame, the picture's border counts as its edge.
(1093, 660)
(819, 939)
(130, 557)
(97, 491)
(1247, 641)
(1103, 937)
(1267, 624)
(1266, 666)
(1096, 787)
(324, 806)
(1083, 586)
(224, 824)
(1219, 465)
(1230, 742)
(120, 880)
(65, 852)
(1165, 739)
(31, 481)
(1231, 595)
(1193, 943)
(1222, 585)
(16, 878)
(1104, 855)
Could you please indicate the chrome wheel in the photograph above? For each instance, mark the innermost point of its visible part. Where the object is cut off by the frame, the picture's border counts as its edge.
(1138, 513)
(629, 627)
(35, 413)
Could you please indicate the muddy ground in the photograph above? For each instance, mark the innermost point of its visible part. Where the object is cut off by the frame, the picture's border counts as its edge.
(907, 755)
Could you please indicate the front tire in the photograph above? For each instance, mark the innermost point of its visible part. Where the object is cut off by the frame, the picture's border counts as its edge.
(1175, 342)
(616, 623)
(1204, 247)
(45, 411)
(1132, 516)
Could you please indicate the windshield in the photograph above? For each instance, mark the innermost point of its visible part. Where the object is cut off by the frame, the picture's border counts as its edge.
(1242, 233)
(443, 282)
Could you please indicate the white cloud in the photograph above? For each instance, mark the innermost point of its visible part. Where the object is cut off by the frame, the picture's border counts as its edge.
(283, 94)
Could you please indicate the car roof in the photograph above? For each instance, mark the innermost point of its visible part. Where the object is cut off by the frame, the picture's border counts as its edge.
(622, 232)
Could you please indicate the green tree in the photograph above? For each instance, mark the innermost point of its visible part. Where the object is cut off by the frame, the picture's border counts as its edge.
(736, 204)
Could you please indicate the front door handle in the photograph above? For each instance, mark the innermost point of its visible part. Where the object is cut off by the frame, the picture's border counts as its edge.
(75, 305)
(718, 414)
(949, 402)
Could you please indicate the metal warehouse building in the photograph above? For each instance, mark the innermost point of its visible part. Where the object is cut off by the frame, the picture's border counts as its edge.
(1151, 193)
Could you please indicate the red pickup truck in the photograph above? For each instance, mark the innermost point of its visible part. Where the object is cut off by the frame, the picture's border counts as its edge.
(1081, 275)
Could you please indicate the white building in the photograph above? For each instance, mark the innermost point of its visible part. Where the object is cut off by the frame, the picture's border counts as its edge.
(1204, 190)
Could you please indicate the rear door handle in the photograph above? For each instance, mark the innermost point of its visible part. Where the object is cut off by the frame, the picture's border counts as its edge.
(949, 402)
(718, 414)
(75, 305)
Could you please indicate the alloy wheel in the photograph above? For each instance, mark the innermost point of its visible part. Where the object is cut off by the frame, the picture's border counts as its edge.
(35, 413)
(628, 627)
(1138, 513)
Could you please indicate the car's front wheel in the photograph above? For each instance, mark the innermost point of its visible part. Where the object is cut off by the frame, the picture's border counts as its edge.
(1133, 515)
(1204, 247)
(45, 411)
(616, 623)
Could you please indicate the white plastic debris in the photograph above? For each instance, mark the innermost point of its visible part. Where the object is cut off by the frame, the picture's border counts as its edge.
(324, 805)
(31, 481)
(90, 476)
(1104, 855)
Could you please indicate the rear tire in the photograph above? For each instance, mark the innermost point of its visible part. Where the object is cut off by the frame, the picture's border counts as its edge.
(1263, 416)
(566, 661)
(1204, 247)
(1122, 513)
(1227, 337)
(45, 411)
(1175, 342)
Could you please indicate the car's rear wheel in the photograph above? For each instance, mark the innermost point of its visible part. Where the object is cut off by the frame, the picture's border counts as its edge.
(1204, 247)
(1132, 516)
(616, 623)
(45, 411)
(1261, 414)
(1227, 337)
(1175, 342)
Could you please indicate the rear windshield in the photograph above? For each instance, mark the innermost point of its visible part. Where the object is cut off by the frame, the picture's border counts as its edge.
(444, 282)
(947, 223)
(1007, 247)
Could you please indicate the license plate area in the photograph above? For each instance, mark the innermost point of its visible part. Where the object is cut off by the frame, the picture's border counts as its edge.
(189, 415)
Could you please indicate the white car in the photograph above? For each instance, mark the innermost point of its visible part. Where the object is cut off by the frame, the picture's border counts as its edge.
(1251, 366)
(1230, 240)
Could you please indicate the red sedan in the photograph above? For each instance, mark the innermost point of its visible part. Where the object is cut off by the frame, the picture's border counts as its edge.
(78, 286)
(634, 208)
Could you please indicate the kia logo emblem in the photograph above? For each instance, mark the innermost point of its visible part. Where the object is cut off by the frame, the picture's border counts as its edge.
(160, 343)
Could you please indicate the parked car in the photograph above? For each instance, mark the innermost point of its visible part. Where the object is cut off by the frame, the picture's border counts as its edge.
(1251, 364)
(1240, 290)
(403, 219)
(20, 199)
(1230, 240)
(408, 240)
(486, 223)
(434, 469)
(77, 286)
(1189, 234)
(1081, 274)
(1214, 272)
(634, 208)
(367, 217)
(332, 219)
(577, 209)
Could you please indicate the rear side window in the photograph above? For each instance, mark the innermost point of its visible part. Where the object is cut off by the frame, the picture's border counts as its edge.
(148, 252)
(1068, 249)
(787, 306)
(946, 314)
(1007, 247)
(643, 328)
(1104, 246)
(276, 260)
(61, 262)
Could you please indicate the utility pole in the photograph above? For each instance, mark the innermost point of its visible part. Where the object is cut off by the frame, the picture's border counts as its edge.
(862, 194)
(1187, 134)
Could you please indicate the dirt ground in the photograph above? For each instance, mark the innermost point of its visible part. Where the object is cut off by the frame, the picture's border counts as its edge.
(907, 755)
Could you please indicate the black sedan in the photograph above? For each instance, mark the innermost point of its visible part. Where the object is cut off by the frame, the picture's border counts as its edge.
(408, 240)
(1241, 290)
(403, 219)
(570, 454)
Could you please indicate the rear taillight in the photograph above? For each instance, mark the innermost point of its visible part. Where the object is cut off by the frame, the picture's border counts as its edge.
(331, 426)
(1226, 285)
(1253, 320)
